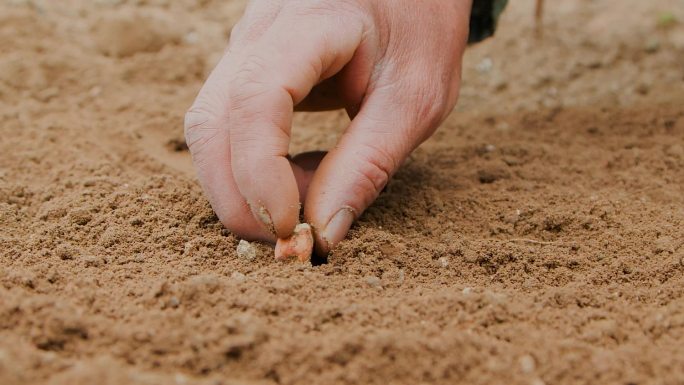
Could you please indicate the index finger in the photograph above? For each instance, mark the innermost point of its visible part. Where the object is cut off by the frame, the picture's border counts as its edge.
(272, 76)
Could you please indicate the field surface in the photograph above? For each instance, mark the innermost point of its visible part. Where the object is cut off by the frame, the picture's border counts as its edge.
(537, 238)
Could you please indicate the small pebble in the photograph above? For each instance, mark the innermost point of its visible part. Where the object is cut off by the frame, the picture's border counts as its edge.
(467, 290)
(239, 277)
(443, 261)
(191, 38)
(246, 250)
(485, 65)
(174, 302)
(527, 364)
(180, 379)
(95, 92)
(373, 281)
(400, 280)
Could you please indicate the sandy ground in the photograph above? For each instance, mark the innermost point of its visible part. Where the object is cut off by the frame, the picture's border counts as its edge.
(536, 239)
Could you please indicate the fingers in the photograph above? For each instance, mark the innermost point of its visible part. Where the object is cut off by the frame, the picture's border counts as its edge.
(210, 148)
(208, 141)
(238, 129)
(259, 148)
(413, 87)
(265, 83)
(388, 127)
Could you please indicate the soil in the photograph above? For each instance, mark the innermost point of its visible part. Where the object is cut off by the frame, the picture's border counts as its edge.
(537, 238)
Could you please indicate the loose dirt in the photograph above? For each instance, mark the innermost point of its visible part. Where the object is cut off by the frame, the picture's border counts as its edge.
(537, 238)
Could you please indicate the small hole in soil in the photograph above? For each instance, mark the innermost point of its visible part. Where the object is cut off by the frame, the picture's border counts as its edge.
(177, 145)
(317, 260)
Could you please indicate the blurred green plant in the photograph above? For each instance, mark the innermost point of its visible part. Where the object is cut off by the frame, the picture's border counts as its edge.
(667, 20)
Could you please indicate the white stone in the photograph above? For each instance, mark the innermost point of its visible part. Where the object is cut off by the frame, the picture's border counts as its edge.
(239, 277)
(246, 250)
(527, 364)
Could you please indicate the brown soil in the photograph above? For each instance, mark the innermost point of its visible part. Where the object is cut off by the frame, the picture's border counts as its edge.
(538, 238)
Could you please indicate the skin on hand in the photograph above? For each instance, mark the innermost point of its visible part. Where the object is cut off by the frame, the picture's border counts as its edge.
(393, 65)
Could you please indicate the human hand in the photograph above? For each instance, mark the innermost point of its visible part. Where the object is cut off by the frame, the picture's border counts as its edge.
(393, 65)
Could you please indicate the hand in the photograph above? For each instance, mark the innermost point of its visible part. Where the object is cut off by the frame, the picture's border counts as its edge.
(393, 65)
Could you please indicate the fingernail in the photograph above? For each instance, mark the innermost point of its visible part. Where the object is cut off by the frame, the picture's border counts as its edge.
(264, 217)
(336, 229)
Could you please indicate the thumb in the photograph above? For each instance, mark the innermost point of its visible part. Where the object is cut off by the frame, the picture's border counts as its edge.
(388, 127)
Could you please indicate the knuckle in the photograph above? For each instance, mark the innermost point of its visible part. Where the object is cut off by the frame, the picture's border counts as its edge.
(248, 83)
(251, 71)
(327, 11)
(423, 100)
(430, 108)
(430, 105)
(261, 108)
(201, 125)
(374, 169)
